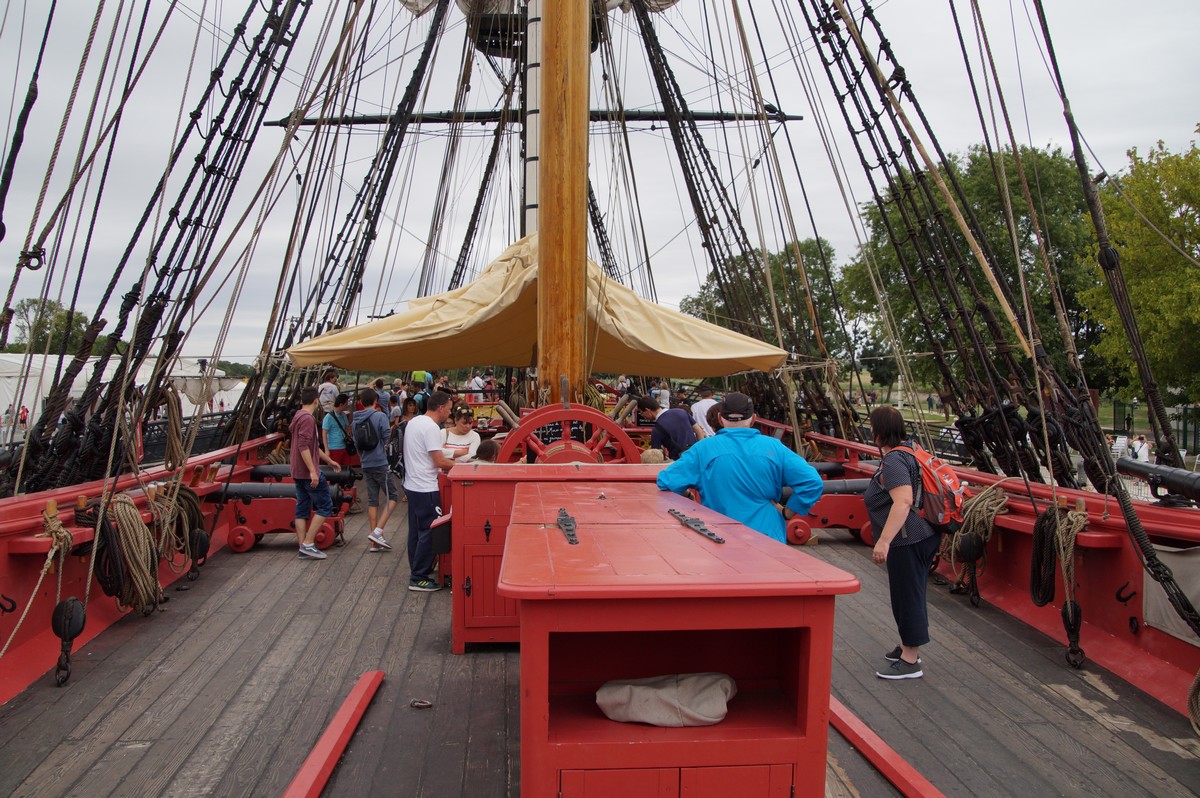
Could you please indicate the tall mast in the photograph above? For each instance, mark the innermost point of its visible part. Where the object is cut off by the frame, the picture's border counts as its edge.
(562, 129)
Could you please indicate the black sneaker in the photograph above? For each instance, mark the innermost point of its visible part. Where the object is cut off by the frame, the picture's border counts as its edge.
(424, 586)
(894, 655)
(901, 670)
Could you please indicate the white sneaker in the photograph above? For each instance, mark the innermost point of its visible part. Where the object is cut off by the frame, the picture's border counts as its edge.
(309, 551)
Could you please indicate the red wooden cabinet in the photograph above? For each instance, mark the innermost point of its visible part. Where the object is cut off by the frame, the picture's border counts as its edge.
(482, 500)
(640, 595)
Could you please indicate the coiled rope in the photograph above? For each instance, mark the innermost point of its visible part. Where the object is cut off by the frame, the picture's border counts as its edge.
(127, 566)
(176, 453)
(1054, 536)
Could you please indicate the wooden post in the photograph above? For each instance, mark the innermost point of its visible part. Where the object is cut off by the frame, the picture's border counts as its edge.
(562, 196)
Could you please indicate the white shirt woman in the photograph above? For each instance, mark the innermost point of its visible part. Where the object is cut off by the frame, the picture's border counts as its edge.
(461, 441)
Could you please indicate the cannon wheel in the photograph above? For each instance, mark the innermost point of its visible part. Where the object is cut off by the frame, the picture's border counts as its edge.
(325, 536)
(240, 539)
(605, 433)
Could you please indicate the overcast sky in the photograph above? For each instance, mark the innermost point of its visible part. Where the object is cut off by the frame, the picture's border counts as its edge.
(1129, 70)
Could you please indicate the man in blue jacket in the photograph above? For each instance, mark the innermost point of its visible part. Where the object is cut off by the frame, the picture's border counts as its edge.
(375, 468)
(741, 473)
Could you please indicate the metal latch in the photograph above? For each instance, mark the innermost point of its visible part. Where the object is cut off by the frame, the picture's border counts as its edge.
(567, 524)
(696, 525)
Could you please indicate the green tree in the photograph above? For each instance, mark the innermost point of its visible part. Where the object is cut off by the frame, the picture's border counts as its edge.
(751, 312)
(42, 321)
(932, 288)
(235, 369)
(1153, 214)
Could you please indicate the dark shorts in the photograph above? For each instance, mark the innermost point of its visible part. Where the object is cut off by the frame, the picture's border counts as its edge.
(308, 497)
(379, 481)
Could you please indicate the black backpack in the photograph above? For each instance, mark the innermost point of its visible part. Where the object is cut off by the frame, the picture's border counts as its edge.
(366, 437)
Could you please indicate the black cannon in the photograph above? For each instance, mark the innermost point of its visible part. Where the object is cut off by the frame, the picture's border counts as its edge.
(845, 486)
(278, 473)
(829, 469)
(1180, 483)
(246, 492)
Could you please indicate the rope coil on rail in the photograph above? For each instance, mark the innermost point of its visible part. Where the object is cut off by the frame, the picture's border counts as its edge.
(1054, 536)
(968, 544)
(126, 555)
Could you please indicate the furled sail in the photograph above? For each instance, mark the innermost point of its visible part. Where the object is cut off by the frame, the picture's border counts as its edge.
(494, 320)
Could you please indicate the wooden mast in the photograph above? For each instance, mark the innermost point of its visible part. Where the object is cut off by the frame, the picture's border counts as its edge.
(562, 196)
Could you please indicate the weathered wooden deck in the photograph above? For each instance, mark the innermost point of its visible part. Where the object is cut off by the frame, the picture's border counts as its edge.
(226, 692)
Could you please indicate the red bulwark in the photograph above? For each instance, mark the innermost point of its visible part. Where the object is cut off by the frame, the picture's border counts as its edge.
(641, 595)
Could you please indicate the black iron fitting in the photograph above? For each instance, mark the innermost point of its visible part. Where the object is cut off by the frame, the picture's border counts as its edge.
(566, 523)
(696, 525)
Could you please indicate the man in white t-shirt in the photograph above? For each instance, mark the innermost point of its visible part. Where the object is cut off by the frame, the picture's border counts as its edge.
(475, 386)
(423, 459)
(700, 409)
(1141, 450)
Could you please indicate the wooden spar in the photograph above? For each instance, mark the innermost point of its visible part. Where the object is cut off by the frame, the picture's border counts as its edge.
(562, 196)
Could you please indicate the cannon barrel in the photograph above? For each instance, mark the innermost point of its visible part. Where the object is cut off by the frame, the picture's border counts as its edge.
(278, 473)
(829, 469)
(845, 486)
(248, 491)
(1176, 480)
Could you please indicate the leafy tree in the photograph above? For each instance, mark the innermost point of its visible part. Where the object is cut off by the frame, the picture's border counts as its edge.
(42, 321)
(1159, 267)
(39, 321)
(235, 369)
(791, 298)
(1062, 218)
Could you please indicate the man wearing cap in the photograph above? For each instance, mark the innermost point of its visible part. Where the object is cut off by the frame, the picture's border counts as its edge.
(741, 473)
(674, 429)
(700, 410)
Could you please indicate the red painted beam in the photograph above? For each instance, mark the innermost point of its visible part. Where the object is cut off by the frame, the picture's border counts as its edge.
(894, 768)
(310, 780)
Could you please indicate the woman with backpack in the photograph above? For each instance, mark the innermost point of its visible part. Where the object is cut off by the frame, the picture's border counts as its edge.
(903, 539)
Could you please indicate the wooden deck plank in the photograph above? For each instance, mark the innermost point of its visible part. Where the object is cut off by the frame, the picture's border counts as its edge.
(297, 634)
(25, 736)
(314, 687)
(487, 745)
(219, 635)
(1051, 736)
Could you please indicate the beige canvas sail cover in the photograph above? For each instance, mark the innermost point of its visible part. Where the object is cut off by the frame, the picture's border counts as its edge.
(493, 320)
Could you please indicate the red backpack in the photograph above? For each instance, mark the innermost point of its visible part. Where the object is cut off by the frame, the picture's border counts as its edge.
(942, 495)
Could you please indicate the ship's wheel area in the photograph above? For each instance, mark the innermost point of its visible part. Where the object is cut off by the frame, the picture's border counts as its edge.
(568, 433)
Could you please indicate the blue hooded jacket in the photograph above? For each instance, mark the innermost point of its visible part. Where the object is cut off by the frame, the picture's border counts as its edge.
(740, 473)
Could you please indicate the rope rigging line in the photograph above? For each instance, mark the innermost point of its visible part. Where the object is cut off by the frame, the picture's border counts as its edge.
(18, 139)
(1000, 429)
(726, 244)
(219, 170)
(1111, 268)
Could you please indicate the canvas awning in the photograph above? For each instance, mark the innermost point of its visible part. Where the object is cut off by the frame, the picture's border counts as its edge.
(493, 321)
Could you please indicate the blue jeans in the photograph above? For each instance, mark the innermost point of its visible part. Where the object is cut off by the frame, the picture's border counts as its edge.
(423, 510)
(307, 497)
